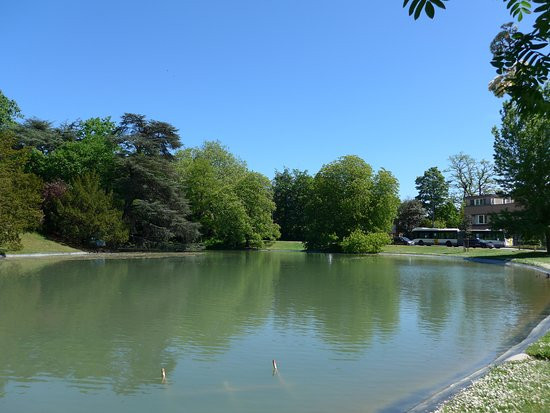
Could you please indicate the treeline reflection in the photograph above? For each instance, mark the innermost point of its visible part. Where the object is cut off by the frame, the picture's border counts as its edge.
(111, 323)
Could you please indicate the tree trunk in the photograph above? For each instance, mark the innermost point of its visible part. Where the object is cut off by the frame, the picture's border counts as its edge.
(547, 236)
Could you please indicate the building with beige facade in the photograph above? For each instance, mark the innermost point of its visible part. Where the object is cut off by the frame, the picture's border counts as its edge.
(480, 207)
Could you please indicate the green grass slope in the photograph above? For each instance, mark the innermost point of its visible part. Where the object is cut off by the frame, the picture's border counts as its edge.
(34, 243)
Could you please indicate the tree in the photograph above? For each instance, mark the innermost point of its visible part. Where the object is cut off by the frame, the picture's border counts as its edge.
(521, 59)
(9, 111)
(140, 136)
(71, 150)
(41, 135)
(410, 214)
(470, 176)
(522, 160)
(342, 193)
(41, 138)
(233, 205)
(346, 197)
(19, 195)
(92, 154)
(462, 168)
(291, 192)
(433, 191)
(86, 212)
(154, 204)
(385, 201)
(256, 195)
(449, 215)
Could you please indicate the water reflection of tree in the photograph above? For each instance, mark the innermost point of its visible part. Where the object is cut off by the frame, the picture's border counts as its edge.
(511, 299)
(349, 300)
(428, 284)
(116, 322)
(480, 298)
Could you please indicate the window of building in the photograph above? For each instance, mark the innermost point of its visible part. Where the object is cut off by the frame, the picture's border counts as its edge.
(481, 219)
(479, 201)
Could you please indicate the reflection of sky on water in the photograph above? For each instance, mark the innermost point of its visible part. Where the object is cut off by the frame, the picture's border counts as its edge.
(342, 329)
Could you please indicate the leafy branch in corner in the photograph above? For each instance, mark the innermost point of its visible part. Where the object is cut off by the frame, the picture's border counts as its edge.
(521, 59)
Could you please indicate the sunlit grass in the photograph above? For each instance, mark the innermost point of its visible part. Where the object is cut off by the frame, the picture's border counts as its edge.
(285, 246)
(525, 257)
(34, 243)
(541, 348)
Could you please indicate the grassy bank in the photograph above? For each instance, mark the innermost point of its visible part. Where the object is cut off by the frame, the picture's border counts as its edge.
(34, 243)
(537, 258)
(515, 386)
(285, 246)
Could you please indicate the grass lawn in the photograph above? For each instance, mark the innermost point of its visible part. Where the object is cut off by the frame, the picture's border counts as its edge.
(540, 348)
(285, 246)
(522, 256)
(34, 243)
(517, 386)
(537, 258)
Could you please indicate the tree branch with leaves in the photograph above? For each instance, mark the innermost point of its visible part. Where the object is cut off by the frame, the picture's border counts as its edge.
(521, 59)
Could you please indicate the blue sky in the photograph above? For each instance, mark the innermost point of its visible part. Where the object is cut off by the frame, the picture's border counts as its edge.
(281, 83)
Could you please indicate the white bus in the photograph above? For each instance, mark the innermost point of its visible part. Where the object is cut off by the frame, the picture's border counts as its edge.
(436, 236)
(497, 238)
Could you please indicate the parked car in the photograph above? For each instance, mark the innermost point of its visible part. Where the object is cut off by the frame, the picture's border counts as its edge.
(478, 243)
(402, 241)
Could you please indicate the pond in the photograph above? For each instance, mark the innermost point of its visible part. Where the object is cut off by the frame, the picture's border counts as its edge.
(349, 334)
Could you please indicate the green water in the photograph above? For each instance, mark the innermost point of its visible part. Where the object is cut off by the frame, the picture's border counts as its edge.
(349, 334)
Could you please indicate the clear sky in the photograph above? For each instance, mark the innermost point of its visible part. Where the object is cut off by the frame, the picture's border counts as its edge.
(281, 83)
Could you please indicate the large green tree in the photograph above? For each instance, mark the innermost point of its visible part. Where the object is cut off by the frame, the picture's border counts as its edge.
(347, 197)
(233, 205)
(342, 193)
(154, 204)
(20, 196)
(521, 59)
(291, 193)
(433, 191)
(522, 160)
(86, 212)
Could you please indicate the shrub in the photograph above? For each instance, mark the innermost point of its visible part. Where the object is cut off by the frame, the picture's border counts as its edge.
(359, 242)
(85, 212)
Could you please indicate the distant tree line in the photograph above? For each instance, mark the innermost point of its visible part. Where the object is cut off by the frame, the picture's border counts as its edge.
(131, 184)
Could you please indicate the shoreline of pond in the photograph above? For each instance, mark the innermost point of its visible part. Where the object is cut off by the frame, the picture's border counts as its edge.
(83, 255)
(541, 267)
(435, 400)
